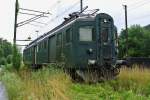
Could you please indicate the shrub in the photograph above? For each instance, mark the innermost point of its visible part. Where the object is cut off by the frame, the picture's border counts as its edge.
(9, 59)
(8, 67)
(2, 61)
(16, 58)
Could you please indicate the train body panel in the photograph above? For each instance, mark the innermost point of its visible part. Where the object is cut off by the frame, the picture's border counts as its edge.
(52, 49)
(82, 42)
(87, 41)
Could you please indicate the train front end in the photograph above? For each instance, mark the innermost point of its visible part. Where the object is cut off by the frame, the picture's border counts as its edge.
(100, 53)
(106, 40)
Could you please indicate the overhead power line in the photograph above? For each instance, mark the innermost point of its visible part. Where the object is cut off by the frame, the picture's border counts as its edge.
(132, 7)
(65, 11)
(136, 3)
(34, 11)
(139, 18)
(40, 22)
(55, 4)
(139, 5)
(23, 40)
(21, 45)
(28, 14)
(29, 20)
(36, 25)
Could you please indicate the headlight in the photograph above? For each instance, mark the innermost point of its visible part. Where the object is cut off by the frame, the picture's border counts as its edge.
(91, 62)
(90, 51)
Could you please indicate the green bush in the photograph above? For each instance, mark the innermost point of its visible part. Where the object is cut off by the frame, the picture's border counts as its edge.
(2, 61)
(9, 59)
(16, 58)
(8, 67)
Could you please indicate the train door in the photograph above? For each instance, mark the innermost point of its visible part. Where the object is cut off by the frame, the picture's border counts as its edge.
(106, 46)
(34, 54)
(52, 49)
(105, 31)
(59, 47)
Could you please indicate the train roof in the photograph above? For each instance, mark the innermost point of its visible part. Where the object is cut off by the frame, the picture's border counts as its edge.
(67, 22)
(59, 27)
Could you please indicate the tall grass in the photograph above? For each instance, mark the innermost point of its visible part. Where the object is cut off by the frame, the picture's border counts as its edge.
(39, 85)
(53, 84)
(135, 79)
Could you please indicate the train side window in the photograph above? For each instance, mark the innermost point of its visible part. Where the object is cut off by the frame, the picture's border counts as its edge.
(59, 37)
(29, 52)
(86, 33)
(68, 35)
(41, 46)
(37, 48)
(45, 44)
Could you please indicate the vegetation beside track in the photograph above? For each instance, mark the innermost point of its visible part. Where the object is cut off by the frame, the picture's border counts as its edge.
(52, 84)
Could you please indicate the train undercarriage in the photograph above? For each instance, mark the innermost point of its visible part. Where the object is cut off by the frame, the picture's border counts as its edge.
(93, 75)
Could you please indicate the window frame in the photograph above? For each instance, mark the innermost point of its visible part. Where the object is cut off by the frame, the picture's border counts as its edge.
(59, 36)
(68, 35)
(93, 35)
(104, 32)
(45, 44)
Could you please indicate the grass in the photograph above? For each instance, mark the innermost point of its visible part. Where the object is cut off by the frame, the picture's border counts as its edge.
(40, 85)
(52, 84)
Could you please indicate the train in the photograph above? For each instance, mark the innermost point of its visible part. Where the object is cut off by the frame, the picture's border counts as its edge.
(86, 43)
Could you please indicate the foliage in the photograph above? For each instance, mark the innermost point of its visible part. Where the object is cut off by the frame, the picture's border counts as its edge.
(9, 54)
(16, 58)
(2, 61)
(9, 59)
(5, 51)
(138, 42)
(8, 67)
(5, 48)
(147, 27)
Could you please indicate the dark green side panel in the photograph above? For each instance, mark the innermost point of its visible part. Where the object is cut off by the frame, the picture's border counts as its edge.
(52, 49)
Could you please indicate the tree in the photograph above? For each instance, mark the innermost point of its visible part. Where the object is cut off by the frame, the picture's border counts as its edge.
(1, 52)
(138, 42)
(5, 48)
(6, 52)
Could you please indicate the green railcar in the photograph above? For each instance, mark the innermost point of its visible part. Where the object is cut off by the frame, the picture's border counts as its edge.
(83, 42)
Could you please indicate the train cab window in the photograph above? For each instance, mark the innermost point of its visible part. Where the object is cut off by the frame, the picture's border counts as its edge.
(86, 33)
(104, 35)
(68, 35)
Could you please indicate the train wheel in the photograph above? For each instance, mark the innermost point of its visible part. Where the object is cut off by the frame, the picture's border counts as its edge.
(109, 74)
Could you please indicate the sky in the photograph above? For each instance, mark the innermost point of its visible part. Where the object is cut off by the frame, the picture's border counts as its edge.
(138, 13)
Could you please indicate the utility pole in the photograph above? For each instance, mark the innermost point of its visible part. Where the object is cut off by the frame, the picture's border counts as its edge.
(81, 2)
(126, 29)
(15, 23)
(14, 39)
